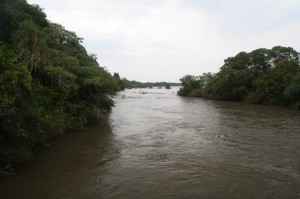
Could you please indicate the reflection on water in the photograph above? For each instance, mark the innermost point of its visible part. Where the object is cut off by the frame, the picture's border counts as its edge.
(160, 145)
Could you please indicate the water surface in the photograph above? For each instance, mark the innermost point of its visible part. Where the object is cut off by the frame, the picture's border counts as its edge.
(160, 145)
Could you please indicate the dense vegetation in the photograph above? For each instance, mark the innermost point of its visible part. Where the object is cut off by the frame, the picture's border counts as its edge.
(263, 76)
(48, 82)
(124, 83)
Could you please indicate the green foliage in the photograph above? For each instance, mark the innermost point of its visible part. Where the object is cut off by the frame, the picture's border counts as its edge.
(193, 86)
(14, 12)
(48, 82)
(188, 83)
(292, 92)
(168, 86)
(262, 76)
(121, 83)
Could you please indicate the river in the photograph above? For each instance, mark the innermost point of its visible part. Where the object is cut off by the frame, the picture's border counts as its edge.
(160, 145)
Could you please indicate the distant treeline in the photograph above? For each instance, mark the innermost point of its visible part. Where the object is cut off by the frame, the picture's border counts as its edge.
(48, 82)
(263, 76)
(124, 83)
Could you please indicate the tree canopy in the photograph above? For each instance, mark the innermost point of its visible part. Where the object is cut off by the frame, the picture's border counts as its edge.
(263, 76)
(48, 82)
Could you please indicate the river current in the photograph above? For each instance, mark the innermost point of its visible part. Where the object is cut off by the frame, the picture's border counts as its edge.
(160, 145)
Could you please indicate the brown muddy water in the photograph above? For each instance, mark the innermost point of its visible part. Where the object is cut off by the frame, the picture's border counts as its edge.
(160, 145)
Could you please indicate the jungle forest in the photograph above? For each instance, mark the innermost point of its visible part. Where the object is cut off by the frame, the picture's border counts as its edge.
(48, 82)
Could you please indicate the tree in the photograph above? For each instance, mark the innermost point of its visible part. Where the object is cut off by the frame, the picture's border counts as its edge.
(263, 76)
(260, 59)
(292, 92)
(48, 82)
(194, 86)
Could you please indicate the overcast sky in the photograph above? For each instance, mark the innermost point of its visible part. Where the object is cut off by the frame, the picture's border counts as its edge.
(163, 40)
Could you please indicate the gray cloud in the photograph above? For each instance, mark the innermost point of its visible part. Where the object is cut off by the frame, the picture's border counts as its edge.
(164, 40)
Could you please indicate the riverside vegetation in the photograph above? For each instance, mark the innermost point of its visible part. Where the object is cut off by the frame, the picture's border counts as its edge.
(125, 83)
(263, 76)
(48, 82)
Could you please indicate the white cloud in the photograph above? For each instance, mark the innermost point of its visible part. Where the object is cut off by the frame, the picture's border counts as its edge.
(150, 40)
